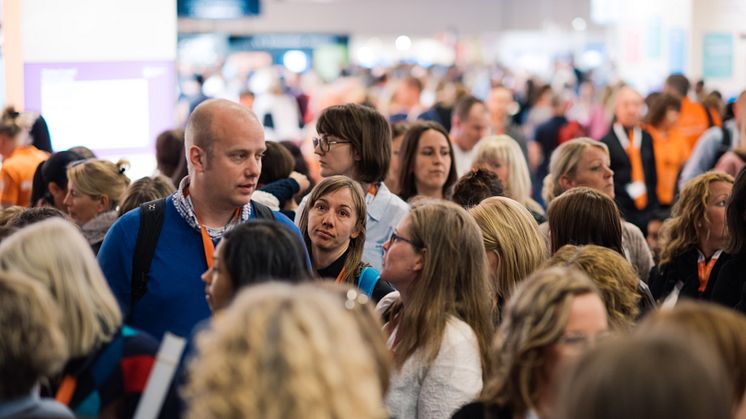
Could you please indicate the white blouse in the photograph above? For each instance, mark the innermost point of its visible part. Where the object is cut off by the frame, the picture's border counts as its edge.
(434, 391)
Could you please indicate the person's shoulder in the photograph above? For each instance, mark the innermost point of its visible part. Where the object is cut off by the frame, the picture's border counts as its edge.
(138, 343)
(479, 410)
(283, 219)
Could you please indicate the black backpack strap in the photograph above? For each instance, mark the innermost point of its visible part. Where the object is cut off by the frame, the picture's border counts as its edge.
(151, 222)
(724, 146)
(263, 211)
(710, 121)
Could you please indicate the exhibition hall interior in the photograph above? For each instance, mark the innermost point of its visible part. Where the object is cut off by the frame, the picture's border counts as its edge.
(373, 209)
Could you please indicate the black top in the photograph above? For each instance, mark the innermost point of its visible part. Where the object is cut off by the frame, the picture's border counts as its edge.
(729, 289)
(480, 410)
(332, 271)
(683, 267)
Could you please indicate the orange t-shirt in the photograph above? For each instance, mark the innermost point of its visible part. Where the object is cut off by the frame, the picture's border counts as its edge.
(693, 121)
(671, 152)
(17, 175)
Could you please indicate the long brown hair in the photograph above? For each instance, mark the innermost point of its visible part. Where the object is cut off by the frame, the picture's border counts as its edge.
(408, 155)
(329, 185)
(681, 231)
(453, 282)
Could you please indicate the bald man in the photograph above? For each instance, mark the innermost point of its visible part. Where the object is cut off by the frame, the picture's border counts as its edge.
(632, 160)
(224, 145)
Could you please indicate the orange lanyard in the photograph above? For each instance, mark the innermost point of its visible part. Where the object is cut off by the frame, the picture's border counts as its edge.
(704, 270)
(341, 276)
(67, 389)
(373, 189)
(207, 243)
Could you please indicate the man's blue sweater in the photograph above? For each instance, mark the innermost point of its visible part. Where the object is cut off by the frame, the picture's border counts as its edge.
(175, 296)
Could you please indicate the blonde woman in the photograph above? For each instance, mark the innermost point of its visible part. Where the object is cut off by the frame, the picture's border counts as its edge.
(108, 363)
(586, 162)
(502, 155)
(615, 278)
(440, 320)
(301, 355)
(512, 242)
(550, 320)
(94, 190)
(33, 347)
(693, 239)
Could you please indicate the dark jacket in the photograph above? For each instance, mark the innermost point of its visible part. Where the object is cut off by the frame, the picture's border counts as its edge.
(622, 168)
(729, 289)
(683, 267)
(480, 410)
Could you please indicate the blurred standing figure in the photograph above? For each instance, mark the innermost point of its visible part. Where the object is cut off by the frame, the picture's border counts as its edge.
(469, 124)
(20, 159)
(695, 117)
(632, 160)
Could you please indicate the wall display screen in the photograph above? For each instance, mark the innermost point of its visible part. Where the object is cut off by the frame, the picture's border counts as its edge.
(217, 9)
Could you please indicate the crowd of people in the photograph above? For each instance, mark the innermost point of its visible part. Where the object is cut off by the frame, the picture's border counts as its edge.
(474, 259)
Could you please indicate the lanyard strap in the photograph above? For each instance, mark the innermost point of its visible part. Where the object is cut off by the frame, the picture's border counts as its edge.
(705, 269)
(373, 189)
(67, 389)
(207, 243)
(340, 277)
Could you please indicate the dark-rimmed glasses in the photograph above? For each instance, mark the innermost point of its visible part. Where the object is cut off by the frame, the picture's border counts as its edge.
(395, 238)
(325, 144)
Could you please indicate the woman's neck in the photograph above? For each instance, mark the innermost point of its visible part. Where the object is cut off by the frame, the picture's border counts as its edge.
(322, 258)
(708, 247)
(430, 192)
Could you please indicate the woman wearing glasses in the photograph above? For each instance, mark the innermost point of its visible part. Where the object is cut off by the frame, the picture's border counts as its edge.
(427, 166)
(551, 319)
(440, 322)
(333, 227)
(355, 141)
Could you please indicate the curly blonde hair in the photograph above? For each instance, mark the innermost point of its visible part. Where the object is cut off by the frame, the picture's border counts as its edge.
(533, 320)
(615, 278)
(281, 351)
(682, 231)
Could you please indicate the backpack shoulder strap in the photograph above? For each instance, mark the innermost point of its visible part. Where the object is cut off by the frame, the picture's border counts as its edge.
(263, 211)
(725, 142)
(151, 222)
(710, 121)
(368, 280)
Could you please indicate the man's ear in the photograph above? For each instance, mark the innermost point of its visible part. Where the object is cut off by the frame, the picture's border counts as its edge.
(198, 158)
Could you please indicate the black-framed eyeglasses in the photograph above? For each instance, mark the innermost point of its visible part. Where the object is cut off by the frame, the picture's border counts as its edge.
(325, 144)
(395, 238)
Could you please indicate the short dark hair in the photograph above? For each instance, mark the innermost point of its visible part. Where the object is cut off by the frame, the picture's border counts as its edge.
(463, 106)
(474, 187)
(169, 151)
(408, 154)
(679, 83)
(584, 216)
(735, 215)
(369, 134)
(277, 163)
(33, 215)
(661, 104)
(263, 250)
